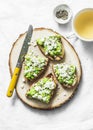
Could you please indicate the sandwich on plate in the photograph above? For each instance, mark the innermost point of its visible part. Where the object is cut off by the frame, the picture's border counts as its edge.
(51, 47)
(34, 66)
(43, 90)
(65, 74)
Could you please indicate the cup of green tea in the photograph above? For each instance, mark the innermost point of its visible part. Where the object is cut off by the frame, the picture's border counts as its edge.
(83, 24)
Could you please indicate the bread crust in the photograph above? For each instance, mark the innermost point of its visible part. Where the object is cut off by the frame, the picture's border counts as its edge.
(70, 86)
(40, 74)
(57, 58)
(66, 85)
(48, 76)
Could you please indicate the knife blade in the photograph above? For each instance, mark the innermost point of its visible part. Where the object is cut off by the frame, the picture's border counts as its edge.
(18, 67)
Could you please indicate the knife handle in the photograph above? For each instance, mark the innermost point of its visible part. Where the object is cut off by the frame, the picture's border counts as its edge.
(13, 82)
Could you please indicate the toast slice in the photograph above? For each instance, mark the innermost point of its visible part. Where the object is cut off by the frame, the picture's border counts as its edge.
(51, 47)
(34, 66)
(43, 90)
(65, 74)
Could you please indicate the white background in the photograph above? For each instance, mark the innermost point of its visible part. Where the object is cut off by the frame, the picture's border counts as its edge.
(15, 17)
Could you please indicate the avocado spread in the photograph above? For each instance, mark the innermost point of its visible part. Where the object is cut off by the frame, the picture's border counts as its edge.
(42, 90)
(52, 45)
(66, 74)
(33, 65)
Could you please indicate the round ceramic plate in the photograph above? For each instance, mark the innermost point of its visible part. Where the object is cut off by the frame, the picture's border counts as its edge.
(62, 95)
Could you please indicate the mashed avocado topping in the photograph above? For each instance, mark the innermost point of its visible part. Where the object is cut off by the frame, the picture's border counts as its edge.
(33, 65)
(65, 73)
(52, 45)
(42, 90)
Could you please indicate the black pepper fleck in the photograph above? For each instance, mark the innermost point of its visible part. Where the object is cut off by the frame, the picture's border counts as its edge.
(62, 14)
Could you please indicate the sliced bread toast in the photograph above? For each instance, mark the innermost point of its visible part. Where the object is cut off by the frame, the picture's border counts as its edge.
(65, 74)
(52, 47)
(42, 90)
(34, 66)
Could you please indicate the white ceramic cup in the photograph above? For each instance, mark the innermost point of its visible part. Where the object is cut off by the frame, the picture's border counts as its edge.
(85, 21)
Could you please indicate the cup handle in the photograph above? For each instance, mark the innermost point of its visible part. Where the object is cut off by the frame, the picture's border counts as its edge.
(71, 36)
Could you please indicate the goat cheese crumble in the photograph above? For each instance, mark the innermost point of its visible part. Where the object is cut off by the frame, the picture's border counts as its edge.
(33, 65)
(65, 73)
(42, 90)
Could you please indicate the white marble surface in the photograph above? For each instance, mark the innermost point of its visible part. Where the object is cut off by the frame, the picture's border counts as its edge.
(15, 16)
